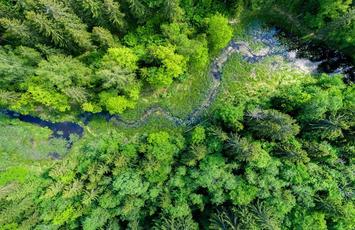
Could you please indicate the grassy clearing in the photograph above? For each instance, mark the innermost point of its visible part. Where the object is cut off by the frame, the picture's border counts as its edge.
(155, 123)
(252, 84)
(180, 98)
(25, 149)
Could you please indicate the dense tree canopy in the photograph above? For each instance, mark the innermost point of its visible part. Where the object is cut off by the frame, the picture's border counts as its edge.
(278, 172)
(90, 56)
(272, 149)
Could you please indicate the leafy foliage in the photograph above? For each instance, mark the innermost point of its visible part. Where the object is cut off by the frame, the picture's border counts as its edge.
(275, 152)
(219, 32)
(71, 51)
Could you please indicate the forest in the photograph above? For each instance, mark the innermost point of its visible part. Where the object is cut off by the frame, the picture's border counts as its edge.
(177, 114)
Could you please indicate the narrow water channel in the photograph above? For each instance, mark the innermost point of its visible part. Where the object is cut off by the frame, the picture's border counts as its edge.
(310, 56)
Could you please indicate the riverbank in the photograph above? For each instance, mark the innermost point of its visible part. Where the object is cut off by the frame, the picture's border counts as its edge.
(260, 44)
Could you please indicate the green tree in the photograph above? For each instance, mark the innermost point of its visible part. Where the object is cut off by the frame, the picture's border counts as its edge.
(16, 31)
(194, 50)
(231, 116)
(117, 78)
(224, 219)
(117, 71)
(243, 193)
(160, 152)
(215, 176)
(104, 13)
(242, 149)
(59, 24)
(185, 222)
(103, 37)
(17, 65)
(120, 56)
(115, 104)
(62, 72)
(37, 96)
(320, 151)
(172, 10)
(310, 220)
(291, 149)
(331, 128)
(272, 124)
(138, 9)
(219, 32)
(265, 218)
(172, 66)
(198, 135)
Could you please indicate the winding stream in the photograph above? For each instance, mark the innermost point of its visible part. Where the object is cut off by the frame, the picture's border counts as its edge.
(271, 47)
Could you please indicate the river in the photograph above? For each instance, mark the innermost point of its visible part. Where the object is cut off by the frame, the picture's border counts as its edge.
(310, 58)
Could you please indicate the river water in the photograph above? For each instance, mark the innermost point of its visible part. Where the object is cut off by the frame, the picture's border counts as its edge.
(331, 61)
(310, 57)
(59, 129)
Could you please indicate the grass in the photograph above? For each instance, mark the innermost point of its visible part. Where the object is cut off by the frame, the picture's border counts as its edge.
(155, 123)
(180, 98)
(25, 149)
(252, 84)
